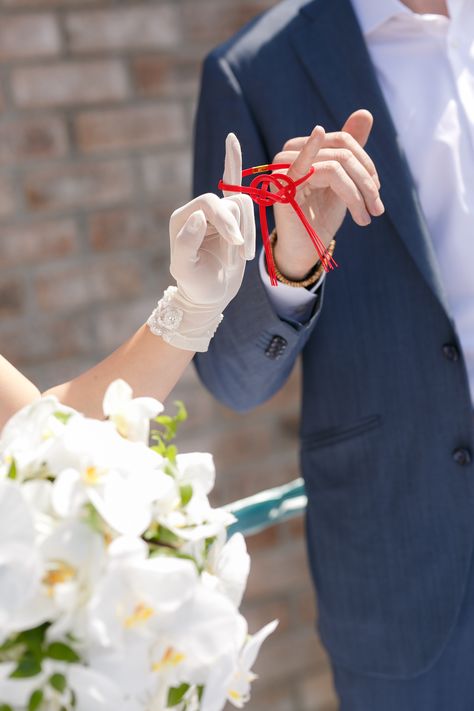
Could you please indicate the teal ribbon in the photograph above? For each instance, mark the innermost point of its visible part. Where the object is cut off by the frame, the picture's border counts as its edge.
(267, 508)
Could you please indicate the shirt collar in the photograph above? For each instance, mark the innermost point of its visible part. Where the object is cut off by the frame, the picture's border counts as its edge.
(372, 14)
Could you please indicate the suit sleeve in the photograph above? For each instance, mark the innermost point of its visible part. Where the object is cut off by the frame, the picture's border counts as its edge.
(253, 351)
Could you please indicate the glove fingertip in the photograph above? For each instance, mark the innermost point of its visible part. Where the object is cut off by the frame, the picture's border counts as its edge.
(195, 222)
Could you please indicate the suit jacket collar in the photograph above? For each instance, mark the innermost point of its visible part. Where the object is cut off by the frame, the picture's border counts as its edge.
(329, 43)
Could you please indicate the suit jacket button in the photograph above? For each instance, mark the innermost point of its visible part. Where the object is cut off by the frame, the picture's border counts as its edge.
(462, 456)
(451, 352)
(276, 347)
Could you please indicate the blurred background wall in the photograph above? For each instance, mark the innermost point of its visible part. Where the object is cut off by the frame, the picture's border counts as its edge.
(96, 111)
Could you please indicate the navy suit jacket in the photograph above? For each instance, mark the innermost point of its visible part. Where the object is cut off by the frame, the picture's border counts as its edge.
(386, 423)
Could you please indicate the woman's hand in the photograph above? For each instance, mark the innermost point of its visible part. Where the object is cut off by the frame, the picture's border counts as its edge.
(211, 239)
(345, 178)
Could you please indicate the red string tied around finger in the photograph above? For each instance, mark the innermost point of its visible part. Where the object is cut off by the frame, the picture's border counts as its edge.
(285, 194)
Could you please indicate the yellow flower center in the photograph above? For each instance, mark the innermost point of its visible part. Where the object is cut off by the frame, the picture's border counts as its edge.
(141, 614)
(91, 475)
(61, 573)
(171, 658)
(121, 424)
(234, 695)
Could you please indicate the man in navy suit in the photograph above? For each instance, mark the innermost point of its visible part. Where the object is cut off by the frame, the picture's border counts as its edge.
(387, 339)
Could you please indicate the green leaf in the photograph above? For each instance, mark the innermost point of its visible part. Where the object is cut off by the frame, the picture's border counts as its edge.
(36, 699)
(62, 652)
(58, 682)
(167, 537)
(29, 665)
(186, 493)
(170, 424)
(175, 694)
(63, 417)
(9, 645)
(171, 453)
(34, 638)
(12, 473)
(93, 518)
(5, 707)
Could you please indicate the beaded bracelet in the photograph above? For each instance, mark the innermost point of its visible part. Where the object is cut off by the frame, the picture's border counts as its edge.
(314, 275)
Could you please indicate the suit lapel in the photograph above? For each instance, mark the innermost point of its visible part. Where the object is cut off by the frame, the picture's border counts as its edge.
(329, 43)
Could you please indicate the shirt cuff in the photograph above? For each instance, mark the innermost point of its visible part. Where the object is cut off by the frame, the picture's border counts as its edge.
(290, 302)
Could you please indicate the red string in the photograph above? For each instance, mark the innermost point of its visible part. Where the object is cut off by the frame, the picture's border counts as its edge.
(259, 191)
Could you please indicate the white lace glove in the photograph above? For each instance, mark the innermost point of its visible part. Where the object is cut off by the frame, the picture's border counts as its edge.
(211, 238)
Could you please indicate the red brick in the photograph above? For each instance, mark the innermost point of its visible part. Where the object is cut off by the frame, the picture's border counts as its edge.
(317, 692)
(289, 654)
(167, 176)
(123, 29)
(124, 228)
(116, 322)
(32, 138)
(304, 603)
(281, 570)
(7, 197)
(20, 4)
(267, 538)
(25, 36)
(262, 470)
(85, 284)
(267, 610)
(69, 83)
(131, 127)
(58, 370)
(171, 75)
(64, 187)
(32, 243)
(12, 297)
(216, 21)
(278, 697)
(48, 340)
(201, 407)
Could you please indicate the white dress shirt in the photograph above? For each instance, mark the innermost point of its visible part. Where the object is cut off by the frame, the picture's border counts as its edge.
(425, 66)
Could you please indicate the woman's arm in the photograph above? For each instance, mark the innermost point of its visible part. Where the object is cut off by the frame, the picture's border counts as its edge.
(146, 362)
(210, 241)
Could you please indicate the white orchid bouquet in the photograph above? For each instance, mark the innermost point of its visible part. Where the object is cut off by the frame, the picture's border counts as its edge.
(118, 588)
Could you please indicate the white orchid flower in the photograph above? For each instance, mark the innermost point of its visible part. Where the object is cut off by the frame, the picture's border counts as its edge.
(97, 692)
(38, 495)
(20, 563)
(196, 469)
(78, 498)
(207, 627)
(134, 599)
(121, 479)
(231, 679)
(228, 567)
(74, 558)
(93, 691)
(196, 523)
(131, 416)
(29, 434)
(196, 520)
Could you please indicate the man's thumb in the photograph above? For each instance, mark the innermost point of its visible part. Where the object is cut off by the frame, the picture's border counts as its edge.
(359, 125)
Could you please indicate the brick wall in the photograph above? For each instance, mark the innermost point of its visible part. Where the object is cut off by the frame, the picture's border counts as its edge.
(96, 108)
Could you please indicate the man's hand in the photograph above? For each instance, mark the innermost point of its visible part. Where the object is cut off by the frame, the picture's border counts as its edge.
(345, 178)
